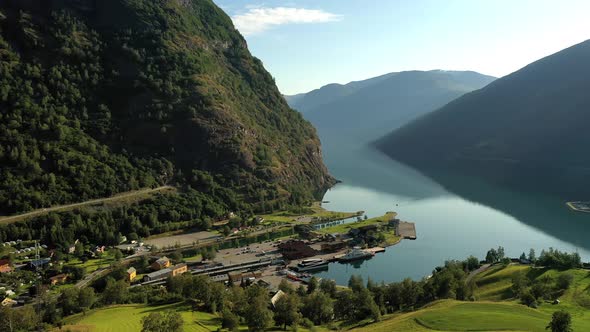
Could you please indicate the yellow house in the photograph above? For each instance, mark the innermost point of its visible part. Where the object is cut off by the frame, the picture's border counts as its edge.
(131, 274)
(179, 269)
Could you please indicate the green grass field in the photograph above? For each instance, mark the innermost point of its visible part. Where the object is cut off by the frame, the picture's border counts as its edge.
(92, 265)
(496, 310)
(449, 315)
(127, 318)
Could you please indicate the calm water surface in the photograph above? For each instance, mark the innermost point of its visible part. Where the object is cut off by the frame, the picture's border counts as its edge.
(450, 225)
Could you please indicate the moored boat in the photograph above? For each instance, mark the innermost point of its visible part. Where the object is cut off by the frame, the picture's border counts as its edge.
(356, 253)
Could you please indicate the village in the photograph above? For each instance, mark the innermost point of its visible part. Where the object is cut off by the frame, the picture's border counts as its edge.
(294, 258)
(266, 256)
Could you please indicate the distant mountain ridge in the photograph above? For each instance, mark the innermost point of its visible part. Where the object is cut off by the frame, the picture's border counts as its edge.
(365, 110)
(527, 126)
(304, 102)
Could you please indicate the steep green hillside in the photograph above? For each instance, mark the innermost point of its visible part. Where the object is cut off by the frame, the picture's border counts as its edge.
(530, 125)
(101, 97)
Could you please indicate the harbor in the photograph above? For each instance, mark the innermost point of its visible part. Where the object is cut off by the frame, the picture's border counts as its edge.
(298, 258)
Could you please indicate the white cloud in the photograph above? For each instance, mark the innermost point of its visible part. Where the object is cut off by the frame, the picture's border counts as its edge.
(257, 20)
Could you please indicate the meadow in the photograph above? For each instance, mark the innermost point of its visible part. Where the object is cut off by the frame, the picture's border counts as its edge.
(495, 308)
(127, 318)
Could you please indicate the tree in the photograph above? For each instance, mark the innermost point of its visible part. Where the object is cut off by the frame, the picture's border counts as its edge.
(286, 287)
(532, 256)
(528, 299)
(258, 316)
(519, 283)
(287, 310)
(328, 286)
(115, 292)
(410, 291)
(157, 322)
(176, 256)
(86, 298)
(364, 305)
(564, 280)
(344, 306)
(491, 256)
(117, 254)
(561, 321)
(312, 285)
(229, 320)
(22, 319)
(68, 300)
(318, 307)
(472, 263)
(355, 283)
(500, 252)
(522, 256)
(301, 291)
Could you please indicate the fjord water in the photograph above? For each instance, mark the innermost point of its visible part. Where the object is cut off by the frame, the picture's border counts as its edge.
(472, 218)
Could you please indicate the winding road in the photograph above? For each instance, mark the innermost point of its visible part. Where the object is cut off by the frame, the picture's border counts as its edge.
(39, 212)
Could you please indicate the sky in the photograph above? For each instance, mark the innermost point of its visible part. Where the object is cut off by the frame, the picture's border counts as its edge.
(306, 44)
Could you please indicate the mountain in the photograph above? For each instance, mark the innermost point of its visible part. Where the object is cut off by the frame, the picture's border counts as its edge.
(362, 111)
(102, 97)
(528, 127)
(305, 102)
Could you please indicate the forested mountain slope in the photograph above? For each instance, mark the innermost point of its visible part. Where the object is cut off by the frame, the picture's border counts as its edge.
(530, 125)
(101, 97)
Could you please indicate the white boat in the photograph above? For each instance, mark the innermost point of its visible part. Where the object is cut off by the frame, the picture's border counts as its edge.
(311, 265)
(355, 254)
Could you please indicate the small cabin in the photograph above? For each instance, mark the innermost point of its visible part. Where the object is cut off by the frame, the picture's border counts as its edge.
(58, 279)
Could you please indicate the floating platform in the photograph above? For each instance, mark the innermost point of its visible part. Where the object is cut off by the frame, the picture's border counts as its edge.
(406, 230)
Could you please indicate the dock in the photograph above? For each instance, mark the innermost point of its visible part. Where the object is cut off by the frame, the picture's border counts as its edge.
(406, 230)
(376, 249)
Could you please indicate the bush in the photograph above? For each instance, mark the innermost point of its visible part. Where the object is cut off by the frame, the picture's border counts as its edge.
(528, 299)
(307, 323)
(564, 281)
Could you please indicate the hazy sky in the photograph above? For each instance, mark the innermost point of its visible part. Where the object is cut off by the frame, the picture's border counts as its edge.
(309, 43)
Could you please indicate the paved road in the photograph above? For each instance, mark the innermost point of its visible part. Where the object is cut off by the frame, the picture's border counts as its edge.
(75, 205)
(99, 272)
(473, 273)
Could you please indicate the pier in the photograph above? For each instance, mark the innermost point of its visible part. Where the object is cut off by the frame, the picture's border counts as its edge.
(406, 230)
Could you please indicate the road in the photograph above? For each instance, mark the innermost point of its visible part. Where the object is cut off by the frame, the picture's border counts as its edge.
(473, 273)
(15, 218)
(94, 275)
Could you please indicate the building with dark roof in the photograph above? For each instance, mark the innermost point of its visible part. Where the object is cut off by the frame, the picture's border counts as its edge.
(161, 274)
